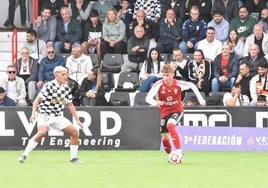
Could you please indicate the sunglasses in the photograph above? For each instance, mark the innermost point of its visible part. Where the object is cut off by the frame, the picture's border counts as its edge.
(11, 72)
(50, 52)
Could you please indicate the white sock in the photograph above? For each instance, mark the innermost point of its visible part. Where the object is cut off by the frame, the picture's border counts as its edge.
(73, 151)
(30, 146)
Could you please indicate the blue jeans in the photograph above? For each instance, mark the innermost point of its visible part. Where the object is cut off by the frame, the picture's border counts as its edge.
(216, 85)
(147, 83)
(184, 48)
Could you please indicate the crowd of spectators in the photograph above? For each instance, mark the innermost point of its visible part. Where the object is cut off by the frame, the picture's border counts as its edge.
(222, 36)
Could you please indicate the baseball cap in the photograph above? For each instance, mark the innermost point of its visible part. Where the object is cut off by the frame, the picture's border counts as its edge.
(2, 90)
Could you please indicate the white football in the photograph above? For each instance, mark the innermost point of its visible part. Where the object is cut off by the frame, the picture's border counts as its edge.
(175, 157)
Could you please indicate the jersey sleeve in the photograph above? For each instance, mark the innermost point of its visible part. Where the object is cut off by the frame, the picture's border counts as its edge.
(150, 98)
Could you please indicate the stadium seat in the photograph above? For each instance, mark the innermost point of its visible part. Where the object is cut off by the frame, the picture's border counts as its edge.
(65, 56)
(119, 99)
(112, 63)
(139, 99)
(95, 60)
(127, 81)
(215, 98)
(189, 56)
(255, 15)
(166, 57)
(108, 81)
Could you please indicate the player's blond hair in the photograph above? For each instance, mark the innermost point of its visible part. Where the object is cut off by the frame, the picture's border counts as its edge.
(167, 68)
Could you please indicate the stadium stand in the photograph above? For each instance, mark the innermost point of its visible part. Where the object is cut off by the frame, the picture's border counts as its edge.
(139, 99)
(108, 81)
(128, 82)
(112, 63)
(119, 99)
(95, 60)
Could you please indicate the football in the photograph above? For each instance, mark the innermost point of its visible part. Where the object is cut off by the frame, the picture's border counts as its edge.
(175, 157)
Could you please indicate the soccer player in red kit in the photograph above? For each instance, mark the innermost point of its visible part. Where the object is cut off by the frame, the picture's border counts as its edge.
(166, 94)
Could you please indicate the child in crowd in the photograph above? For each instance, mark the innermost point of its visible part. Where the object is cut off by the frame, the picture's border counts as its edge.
(261, 101)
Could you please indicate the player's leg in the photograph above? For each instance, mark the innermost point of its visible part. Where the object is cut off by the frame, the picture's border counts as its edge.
(165, 136)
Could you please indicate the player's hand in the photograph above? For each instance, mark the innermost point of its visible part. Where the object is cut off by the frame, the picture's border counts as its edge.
(32, 119)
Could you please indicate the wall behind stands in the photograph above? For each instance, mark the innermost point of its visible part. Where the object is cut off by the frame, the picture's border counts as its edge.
(121, 128)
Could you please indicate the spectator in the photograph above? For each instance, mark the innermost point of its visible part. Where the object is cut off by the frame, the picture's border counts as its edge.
(73, 85)
(193, 30)
(220, 25)
(47, 65)
(259, 84)
(170, 33)
(92, 35)
(243, 23)
(114, 32)
(92, 91)
(254, 57)
(243, 78)
(204, 6)
(259, 38)
(78, 64)
(152, 9)
(236, 44)
(45, 26)
(126, 13)
(14, 86)
(179, 7)
(150, 70)
(255, 5)
(200, 72)
(68, 32)
(261, 101)
(102, 6)
(27, 69)
(235, 98)
(137, 48)
(210, 46)
(55, 6)
(192, 101)
(37, 47)
(225, 69)
(179, 64)
(228, 7)
(151, 29)
(80, 10)
(264, 19)
(9, 23)
(5, 100)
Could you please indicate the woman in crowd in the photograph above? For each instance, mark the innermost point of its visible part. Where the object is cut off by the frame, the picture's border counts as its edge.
(150, 70)
(237, 45)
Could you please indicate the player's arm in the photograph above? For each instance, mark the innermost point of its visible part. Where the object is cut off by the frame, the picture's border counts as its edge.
(34, 108)
(74, 114)
(189, 85)
(151, 96)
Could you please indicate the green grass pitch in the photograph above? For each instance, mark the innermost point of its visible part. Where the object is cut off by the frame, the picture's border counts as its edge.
(133, 169)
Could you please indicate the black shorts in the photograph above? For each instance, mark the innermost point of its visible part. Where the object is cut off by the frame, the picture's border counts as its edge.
(163, 122)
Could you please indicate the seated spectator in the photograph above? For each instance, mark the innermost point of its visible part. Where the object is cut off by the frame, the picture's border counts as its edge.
(228, 7)
(192, 101)
(27, 69)
(73, 85)
(193, 30)
(114, 32)
(200, 72)
(68, 32)
(243, 78)
(126, 13)
(179, 7)
(261, 101)
(225, 69)
(80, 9)
(220, 25)
(235, 98)
(150, 70)
(91, 90)
(45, 26)
(102, 6)
(4, 99)
(259, 38)
(78, 64)
(55, 6)
(258, 83)
(92, 34)
(137, 48)
(14, 86)
(254, 57)
(151, 29)
(210, 46)
(264, 19)
(46, 67)
(152, 9)
(236, 44)
(170, 33)
(243, 23)
(180, 65)
(37, 47)
(204, 7)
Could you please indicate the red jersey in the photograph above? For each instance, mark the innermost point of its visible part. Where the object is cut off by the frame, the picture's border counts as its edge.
(171, 96)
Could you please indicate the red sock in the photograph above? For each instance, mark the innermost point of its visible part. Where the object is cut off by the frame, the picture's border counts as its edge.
(167, 146)
(174, 135)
